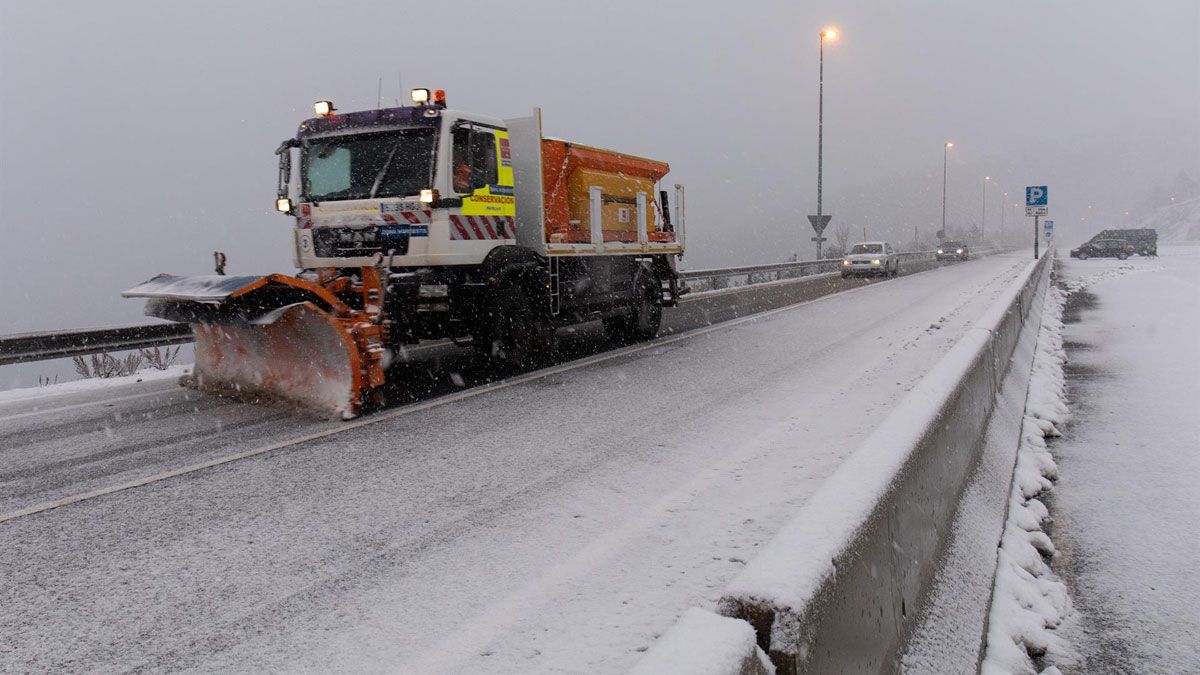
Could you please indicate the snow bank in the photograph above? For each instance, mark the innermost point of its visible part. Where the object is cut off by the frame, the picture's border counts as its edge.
(93, 384)
(703, 643)
(1028, 600)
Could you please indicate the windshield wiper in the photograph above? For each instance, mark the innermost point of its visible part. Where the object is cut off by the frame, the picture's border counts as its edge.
(384, 169)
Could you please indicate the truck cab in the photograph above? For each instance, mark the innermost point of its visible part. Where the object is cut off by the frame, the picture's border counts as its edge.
(416, 186)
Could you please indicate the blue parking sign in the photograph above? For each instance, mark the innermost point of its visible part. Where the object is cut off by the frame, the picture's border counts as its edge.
(1036, 195)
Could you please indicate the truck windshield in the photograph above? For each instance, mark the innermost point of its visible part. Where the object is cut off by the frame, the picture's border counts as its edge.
(385, 164)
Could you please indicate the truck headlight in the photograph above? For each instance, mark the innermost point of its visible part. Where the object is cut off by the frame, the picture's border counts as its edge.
(875, 262)
(283, 205)
(428, 196)
(959, 251)
(846, 263)
(940, 251)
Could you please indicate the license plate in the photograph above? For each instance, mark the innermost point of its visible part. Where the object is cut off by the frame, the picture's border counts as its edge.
(403, 231)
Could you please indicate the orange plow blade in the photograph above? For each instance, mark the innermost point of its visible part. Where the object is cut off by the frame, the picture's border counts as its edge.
(302, 356)
(274, 337)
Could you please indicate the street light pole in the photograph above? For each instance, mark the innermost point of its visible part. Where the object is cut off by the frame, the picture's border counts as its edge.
(983, 216)
(831, 34)
(945, 161)
(1003, 208)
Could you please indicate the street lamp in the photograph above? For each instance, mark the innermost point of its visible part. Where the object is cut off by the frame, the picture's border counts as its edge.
(983, 216)
(820, 221)
(945, 159)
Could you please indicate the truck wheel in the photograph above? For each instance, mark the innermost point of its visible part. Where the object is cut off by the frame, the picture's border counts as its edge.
(647, 312)
(645, 319)
(516, 334)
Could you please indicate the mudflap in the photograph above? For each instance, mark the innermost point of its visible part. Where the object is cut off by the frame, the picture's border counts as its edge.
(297, 354)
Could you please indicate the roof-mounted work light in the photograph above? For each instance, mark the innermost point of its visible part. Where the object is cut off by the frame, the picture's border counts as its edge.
(323, 108)
(420, 96)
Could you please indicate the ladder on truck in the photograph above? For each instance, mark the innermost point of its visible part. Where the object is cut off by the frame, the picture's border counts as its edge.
(555, 294)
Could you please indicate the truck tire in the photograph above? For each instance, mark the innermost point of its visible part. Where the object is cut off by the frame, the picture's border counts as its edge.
(515, 334)
(645, 318)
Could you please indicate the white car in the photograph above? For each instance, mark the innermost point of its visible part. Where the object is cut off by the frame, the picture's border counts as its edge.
(871, 258)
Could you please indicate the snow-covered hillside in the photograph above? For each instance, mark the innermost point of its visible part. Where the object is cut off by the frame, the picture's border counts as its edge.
(1177, 223)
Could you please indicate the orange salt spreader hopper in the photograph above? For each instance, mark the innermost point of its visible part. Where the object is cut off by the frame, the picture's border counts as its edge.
(569, 169)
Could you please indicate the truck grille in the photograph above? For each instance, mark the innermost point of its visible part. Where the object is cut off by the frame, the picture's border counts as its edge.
(344, 242)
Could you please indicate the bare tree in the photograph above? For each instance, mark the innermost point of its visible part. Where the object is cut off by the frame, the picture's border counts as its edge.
(160, 359)
(106, 365)
(841, 236)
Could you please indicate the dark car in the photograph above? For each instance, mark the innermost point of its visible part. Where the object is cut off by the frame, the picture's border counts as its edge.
(1104, 248)
(1143, 240)
(953, 250)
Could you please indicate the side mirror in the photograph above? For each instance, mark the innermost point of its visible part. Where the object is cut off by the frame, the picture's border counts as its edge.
(477, 181)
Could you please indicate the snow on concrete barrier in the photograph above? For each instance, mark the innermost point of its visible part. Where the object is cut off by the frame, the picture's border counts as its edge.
(703, 643)
(839, 589)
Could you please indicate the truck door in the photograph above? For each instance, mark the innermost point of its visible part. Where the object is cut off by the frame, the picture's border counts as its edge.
(481, 173)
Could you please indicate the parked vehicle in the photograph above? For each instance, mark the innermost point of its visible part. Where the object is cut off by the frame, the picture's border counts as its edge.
(953, 250)
(1104, 248)
(871, 258)
(1144, 240)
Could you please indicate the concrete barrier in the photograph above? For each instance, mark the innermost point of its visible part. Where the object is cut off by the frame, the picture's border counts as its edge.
(840, 588)
(703, 643)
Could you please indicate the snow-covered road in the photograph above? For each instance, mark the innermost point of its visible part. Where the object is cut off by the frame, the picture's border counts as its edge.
(1127, 499)
(560, 524)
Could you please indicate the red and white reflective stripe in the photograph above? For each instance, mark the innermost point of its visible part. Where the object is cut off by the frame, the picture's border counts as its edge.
(408, 217)
(481, 227)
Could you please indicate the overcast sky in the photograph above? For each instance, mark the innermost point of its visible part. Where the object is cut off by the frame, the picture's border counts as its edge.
(138, 137)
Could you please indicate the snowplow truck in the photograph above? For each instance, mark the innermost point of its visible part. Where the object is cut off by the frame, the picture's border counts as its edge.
(425, 223)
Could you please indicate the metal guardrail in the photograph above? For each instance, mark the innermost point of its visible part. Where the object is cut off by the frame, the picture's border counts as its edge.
(732, 277)
(61, 344)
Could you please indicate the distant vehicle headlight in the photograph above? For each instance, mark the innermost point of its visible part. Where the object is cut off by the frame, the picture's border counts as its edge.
(875, 262)
(846, 262)
(940, 251)
(959, 251)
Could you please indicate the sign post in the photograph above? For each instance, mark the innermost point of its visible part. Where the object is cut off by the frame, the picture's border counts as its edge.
(1037, 204)
(819, 222)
